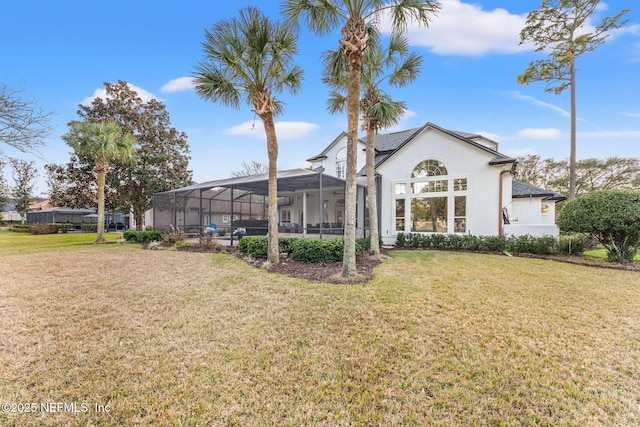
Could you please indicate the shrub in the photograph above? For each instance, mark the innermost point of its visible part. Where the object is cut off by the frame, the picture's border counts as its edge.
(172, 238)
(43, 229)
(611, 216)
(144, 236)
(89, 228)
(544, 245)
(574, 244)
(318, 251)
(64, 228)
(517, 244)
(257, 246)
(20, 228)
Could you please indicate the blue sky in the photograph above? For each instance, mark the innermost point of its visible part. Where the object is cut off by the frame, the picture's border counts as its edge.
(60, 53)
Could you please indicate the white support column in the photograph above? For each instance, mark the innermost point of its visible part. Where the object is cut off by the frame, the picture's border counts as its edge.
(304, 214)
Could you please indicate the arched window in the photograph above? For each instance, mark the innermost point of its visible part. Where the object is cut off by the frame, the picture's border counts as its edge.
(429, 168)
(341, 164)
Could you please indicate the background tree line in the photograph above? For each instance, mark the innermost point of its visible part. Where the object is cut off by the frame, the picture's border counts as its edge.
(612, 173)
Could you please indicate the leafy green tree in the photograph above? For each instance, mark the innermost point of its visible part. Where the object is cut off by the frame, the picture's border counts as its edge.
(22, 125)
(104, 142)
(394, 65)
(611, 216)
(162, 159)
(24, 181)
(74, 185)
(250, 59)
(356, 18)
(559, 28)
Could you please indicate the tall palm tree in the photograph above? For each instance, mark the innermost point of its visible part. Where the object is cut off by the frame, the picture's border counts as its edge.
(355, 17)
(103, 142)
(397, 67)
(250, 59)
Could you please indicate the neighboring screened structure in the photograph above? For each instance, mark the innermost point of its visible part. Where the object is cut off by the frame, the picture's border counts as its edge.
(60, 216)
(114, 221)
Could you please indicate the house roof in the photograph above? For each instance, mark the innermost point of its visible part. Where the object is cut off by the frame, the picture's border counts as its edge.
(67, 210)
(388, 144)
(521, 190)
(323, 155)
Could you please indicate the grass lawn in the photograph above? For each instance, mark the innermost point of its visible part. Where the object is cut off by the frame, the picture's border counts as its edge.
(602, 253)
(437, 338)
(12, 242)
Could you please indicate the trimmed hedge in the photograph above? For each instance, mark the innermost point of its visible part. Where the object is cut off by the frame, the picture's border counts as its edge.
(64, 228)
(544, 245)
(89, 228)
(21, 228)
(300, 249)
(144, 236)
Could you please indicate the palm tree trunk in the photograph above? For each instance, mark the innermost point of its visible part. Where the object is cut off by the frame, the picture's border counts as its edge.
(273, 255)
(572, 156)
(102, 172)
(353, 100)
(372, 193)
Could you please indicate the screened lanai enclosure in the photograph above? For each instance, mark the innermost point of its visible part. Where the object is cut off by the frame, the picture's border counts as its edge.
(309, 202)
(113, 221)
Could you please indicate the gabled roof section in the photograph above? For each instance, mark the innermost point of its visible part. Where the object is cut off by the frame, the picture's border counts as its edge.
(323, 155)
(391, 143)
(521, 190)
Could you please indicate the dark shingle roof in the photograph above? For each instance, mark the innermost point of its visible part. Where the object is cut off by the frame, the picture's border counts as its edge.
(521, 190)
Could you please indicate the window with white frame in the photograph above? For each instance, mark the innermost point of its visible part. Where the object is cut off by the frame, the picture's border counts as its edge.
(435, 203)
(285, 216)
(341, 163)
(226, 218)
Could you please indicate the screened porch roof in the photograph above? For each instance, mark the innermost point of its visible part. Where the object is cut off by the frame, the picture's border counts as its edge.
(290, 180)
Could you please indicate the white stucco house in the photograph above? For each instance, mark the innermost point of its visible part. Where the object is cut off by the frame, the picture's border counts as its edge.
(429, 179)
(434, 180)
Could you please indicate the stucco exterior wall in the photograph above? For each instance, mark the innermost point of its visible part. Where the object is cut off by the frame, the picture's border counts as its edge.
(462, 161)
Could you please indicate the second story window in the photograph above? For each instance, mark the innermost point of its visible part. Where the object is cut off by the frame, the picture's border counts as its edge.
(341, 163)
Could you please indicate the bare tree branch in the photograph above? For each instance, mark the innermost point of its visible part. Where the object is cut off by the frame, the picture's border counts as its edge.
(22, 125)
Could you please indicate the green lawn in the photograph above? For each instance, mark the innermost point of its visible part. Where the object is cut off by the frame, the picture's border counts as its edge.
(170, 338)
(602, 253)
(11, 242)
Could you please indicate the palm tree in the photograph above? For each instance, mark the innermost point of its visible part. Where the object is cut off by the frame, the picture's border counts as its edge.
(103, 142)
(397, 67)
(356, 17)
(250, 59)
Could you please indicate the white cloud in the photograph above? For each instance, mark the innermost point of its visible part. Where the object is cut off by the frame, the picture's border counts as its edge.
(467, 29)
(286, 131)
(548, 133)
(102, 93)
(178, 85)
(637, 115)
(534, 101)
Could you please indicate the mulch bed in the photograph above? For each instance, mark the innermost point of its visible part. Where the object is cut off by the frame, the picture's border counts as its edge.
(332, 272)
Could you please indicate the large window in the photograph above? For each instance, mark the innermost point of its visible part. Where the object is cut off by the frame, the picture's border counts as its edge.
(341, 163)
(429, 215)
(435, 202)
